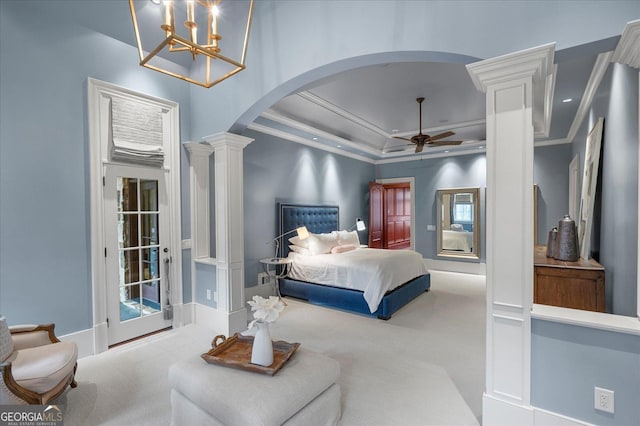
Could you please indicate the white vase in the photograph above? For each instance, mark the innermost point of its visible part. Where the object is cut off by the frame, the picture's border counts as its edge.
(262, 351)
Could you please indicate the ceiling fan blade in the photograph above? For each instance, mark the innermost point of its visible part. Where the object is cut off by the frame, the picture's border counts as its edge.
(441, 136)
(443, 143)
(419, 147)
(404, 139)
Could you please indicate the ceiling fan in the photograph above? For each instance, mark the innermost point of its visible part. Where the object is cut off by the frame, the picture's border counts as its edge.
(421, 140)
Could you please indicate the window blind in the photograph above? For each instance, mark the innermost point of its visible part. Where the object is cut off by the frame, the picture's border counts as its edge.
(136, 130)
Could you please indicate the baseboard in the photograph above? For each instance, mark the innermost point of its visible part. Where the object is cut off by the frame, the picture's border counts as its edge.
(259, 290)
(226, 323)
(83, 339)
(499, 412)
(547, 418)
(453, 266)
(188, 313)
(95, 340)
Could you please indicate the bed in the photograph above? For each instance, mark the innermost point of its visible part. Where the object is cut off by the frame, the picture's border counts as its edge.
(371, 282)
(457, 240)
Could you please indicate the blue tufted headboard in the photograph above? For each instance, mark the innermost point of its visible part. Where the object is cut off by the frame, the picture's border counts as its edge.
(317, 218)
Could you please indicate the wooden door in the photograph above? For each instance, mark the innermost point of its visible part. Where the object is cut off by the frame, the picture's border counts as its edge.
(397, 201)
(376, 215)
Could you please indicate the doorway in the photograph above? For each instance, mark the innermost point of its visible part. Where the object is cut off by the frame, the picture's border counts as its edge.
(135, 213)
(137, 251)
(391, 214)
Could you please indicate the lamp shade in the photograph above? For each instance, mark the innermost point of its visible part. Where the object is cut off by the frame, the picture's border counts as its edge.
(359, 225)
(302, 231)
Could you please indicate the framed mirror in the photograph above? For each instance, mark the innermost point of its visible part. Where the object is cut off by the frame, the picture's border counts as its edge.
(458, 226)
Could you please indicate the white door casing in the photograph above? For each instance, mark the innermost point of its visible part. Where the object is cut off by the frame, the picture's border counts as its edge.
(99, 96)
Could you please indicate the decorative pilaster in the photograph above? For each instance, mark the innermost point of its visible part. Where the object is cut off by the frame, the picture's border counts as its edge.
(517, 86)
(199, 183)
(229, 220)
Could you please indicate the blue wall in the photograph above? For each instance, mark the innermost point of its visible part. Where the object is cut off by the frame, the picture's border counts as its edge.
(433, 174)
(551, 174)
(616, 214)
(568, 361)
(45, 246)
(279, 170)
(551, 165)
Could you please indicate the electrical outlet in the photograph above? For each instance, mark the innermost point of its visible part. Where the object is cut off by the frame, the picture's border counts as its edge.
(263, 278)
(603, 400)
(215, 296)
(208, 294)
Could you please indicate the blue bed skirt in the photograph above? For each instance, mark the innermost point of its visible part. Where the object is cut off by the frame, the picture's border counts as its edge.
(353, 300)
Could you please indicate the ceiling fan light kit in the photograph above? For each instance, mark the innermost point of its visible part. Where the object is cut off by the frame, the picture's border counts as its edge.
(421, 140)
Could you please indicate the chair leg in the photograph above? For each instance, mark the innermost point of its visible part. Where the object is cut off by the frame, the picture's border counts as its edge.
(73, 383)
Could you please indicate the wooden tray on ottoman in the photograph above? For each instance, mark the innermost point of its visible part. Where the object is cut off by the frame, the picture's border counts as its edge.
(235, 352)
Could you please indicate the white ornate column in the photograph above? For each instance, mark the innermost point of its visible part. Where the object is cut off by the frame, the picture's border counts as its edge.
(519, 87)
(229, 224)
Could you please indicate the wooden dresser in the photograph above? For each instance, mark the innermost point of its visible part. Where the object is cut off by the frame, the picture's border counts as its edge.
(577, 285)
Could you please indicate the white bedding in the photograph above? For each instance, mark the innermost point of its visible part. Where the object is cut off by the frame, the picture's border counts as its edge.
(372, 271)
(457, 240)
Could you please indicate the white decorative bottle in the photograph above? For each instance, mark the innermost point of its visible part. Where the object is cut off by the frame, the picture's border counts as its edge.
(262, 351)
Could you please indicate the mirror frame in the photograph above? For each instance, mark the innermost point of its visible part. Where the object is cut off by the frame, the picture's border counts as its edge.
(475, 253)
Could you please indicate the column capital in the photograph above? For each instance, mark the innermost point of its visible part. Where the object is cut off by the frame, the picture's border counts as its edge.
(198, 148)
(221, 140)
(535, 63)
(628, 48)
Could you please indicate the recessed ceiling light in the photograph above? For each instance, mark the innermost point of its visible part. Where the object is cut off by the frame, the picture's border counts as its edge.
(446, 151)
(480, 147)
(155, 1)
(339, 146)
(315, 139)
(394, 131)
(567, 100)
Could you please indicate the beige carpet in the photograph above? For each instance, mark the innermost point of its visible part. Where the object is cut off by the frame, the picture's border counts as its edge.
(425, 366)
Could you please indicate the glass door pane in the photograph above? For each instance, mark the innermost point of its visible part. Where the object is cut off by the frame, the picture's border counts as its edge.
(138, 247)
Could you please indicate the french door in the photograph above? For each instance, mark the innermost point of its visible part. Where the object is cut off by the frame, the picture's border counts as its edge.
(138, 253)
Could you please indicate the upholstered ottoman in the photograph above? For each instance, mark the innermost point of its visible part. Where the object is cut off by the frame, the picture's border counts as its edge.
(303, 392)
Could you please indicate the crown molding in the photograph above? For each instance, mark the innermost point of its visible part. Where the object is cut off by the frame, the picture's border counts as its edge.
(628, 49)
(308, 96)
(297, 139)
(537, 64)
(599, 69)
(273, 116)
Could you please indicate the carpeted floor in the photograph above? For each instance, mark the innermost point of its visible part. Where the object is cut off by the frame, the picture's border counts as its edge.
(425, 366)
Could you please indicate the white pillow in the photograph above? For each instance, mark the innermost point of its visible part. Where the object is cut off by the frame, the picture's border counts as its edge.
(300, 250)
(348, 237)
(296, 241)
(321, 243)
(343, 248)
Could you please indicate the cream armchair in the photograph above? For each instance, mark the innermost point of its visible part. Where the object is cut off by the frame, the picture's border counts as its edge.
(35, 366)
